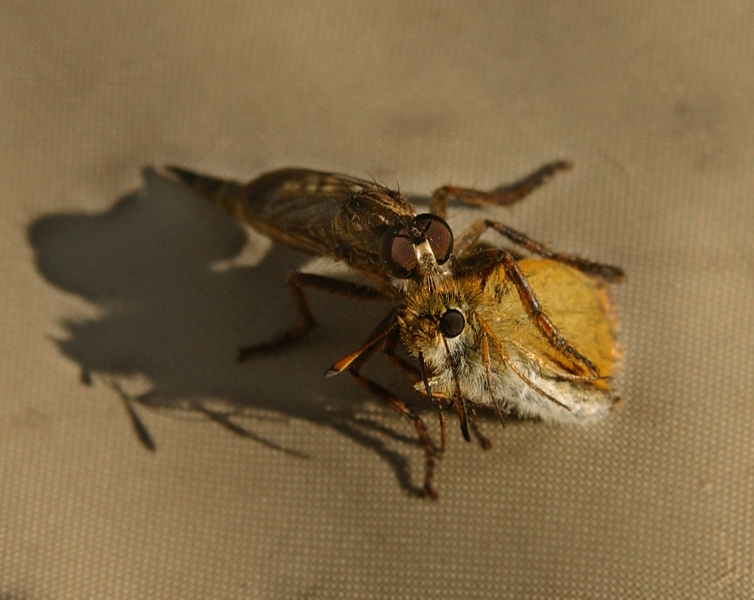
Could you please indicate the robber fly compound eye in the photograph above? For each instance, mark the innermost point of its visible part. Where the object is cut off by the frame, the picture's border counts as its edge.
(439, 235)
(397, 252)
(452, 323)
(398, 245)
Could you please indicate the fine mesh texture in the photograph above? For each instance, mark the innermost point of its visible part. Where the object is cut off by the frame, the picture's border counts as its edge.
(124, 299)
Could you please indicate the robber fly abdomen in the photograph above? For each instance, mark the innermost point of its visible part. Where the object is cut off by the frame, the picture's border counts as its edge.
(486, 328)
(319, 213)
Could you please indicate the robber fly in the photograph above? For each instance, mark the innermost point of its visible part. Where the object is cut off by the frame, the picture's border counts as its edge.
(487, 326)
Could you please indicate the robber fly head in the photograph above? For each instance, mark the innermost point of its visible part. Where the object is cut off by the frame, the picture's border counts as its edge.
(417, 249)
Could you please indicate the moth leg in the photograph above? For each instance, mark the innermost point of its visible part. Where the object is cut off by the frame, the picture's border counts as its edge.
(543, 322)
(296, 284)
(505, 195)
(484, 442)
(385, 330)
(459, 400)
(400, 406)
(470, 237)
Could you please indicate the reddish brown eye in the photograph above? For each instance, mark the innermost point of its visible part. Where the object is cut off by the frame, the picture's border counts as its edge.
(439, 235)
(452, 323)
(397, 252)
(402, 254)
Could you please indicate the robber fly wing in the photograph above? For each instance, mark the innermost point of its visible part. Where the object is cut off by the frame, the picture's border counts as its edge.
(324, 214)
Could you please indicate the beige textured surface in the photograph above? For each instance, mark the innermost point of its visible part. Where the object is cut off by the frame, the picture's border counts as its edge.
(108, 274)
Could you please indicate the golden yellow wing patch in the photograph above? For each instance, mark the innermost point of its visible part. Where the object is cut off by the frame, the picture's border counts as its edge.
(576, 303)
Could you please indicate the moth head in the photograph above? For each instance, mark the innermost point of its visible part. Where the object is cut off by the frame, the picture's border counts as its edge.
(441, 323)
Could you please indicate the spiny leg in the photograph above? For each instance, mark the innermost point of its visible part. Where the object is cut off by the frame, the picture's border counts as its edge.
(468, 239)
(421, 431)
(417, 375)
(505, 195)
(363, 353)
(543, 322)
(387, 331)
(391, 345)
(554, 371)
(354, 361)
(296, 284)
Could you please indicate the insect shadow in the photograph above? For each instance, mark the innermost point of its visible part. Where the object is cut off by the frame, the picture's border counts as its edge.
(168, 319)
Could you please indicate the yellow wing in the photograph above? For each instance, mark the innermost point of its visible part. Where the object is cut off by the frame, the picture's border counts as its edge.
(577, 305)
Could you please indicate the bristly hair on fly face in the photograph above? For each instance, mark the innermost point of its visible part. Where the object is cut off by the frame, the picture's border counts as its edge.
(532, 333)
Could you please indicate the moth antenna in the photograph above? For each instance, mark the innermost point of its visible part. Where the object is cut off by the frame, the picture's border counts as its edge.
(562, 374)
(506, 359)
(440, 410)
(461, 403)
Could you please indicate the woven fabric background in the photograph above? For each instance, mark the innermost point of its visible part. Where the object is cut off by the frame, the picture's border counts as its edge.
(123, 299)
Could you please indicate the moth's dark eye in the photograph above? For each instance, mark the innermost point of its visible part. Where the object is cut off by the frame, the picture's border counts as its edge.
(397, 252)
(452, 323)
(439, 235)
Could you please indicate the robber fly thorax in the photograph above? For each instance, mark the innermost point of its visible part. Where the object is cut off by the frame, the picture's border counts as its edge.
(536, 335)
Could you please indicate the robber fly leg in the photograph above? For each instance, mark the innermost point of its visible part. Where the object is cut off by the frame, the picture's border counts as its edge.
(505, 195)
(391, 344)
(467, 240)
(421, 431)
(354, 361)
(415, 373)
(296, 284)
(543, 322)
(606, 272)
(363, 353)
